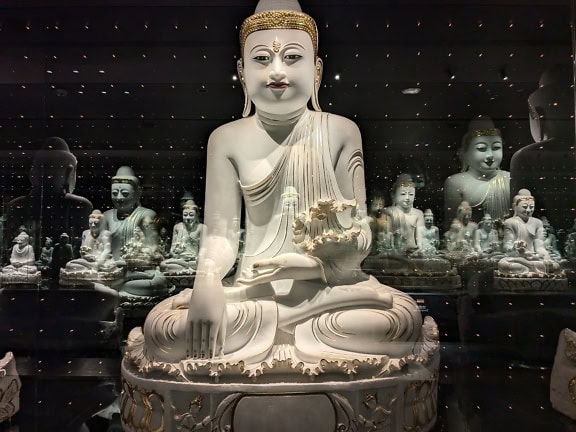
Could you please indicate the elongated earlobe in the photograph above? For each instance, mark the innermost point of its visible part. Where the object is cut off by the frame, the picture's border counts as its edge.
(247, 102)
(317, 82)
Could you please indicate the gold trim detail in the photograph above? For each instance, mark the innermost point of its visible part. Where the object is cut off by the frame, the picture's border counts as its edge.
(279, 19)
(486, 132)
(138, 407)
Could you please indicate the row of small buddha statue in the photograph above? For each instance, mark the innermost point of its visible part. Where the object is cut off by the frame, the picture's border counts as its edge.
(520, 244)
(121, 246)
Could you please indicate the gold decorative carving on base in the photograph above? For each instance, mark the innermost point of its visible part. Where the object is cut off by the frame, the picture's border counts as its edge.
(138, 407)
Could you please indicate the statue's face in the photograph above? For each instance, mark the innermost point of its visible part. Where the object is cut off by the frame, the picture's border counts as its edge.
(21, 240)
(465, 214)
(279, 70)
(487, 223)
(48, 243)
(404, 197)
(484, 154)
(124, 197)
(428, 220)
(524, 209)
(94, 223)
(189, 215)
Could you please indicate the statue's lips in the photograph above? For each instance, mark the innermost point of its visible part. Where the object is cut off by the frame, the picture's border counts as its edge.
(277, 86)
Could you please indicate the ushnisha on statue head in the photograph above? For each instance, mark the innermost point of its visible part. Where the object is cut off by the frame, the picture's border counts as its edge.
(270, 46)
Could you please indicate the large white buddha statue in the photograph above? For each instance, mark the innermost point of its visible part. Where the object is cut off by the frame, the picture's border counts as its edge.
(524, 241)
(299, 293)
(481, 183)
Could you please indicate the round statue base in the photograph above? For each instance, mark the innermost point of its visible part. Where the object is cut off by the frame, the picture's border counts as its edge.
(530, 284)
(404, 401)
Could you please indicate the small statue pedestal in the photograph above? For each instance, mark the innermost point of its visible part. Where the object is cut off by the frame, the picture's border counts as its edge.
(413, 274)
(530, 282)
(79, 278)
(20, 280)
(181, 279)
(405, 400)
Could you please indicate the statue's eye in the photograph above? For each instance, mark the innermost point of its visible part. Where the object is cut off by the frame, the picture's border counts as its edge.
(292, 56)
(261, 58)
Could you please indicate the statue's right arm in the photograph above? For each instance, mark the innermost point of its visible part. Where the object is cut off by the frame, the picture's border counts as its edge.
(206, 320)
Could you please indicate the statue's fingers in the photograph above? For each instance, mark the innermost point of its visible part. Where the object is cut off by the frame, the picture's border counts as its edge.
(205, 343)
(194, 339)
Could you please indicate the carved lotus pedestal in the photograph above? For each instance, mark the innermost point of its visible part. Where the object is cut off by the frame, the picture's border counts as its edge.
(402, 401)
(526, 283)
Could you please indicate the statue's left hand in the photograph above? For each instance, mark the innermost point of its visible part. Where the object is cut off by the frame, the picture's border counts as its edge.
(284, 266)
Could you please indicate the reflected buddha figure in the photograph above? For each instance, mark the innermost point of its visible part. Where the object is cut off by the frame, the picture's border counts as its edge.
(96, 248)
(405, 221)
(186, 240)
(524, 241)
(45, 260)
(122, 221)
(486, 241)
(466, 227)
(300, 175)
(481, 183)
(546, 167)
(22, 259)
(381, 238)
(50, 207)
(550, 240)
(430, 235)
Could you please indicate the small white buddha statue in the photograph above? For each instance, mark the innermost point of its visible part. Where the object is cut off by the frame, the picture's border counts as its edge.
(430, 235)
(126, 221)
(186, 240)
(481, 183)
(459, 240)
(550, 240)
(22, 258)
(524, 241)
(486, 241)
(405, 222)
(96, 248)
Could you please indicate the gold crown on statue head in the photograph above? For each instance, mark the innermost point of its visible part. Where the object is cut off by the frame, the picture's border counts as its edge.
(279, 15)
(523, 195)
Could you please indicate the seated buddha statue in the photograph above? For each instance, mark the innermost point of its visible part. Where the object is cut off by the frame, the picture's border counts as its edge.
(550, 240)
(486, 241)
(405, 221)
(95, 260)
(481, 182)
(127, 216)
(186, 240)
(22, 259)
(298, 293)
(430, 235)
(523, 241)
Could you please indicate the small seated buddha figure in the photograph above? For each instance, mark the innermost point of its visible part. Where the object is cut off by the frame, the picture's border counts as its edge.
(299, 294)
(550, 239)
(45, 260)
(430, 235)
(22, 267)
(466, 228)
(186, 240)
(486, 241)
(126, 221)
(95, 262)
(381, 238)
(523, 241)
(405, 221)
(481, 182)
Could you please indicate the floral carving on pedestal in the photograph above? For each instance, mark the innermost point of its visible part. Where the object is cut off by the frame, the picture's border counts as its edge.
(420, 404)
(379, 413)
(141, 410)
